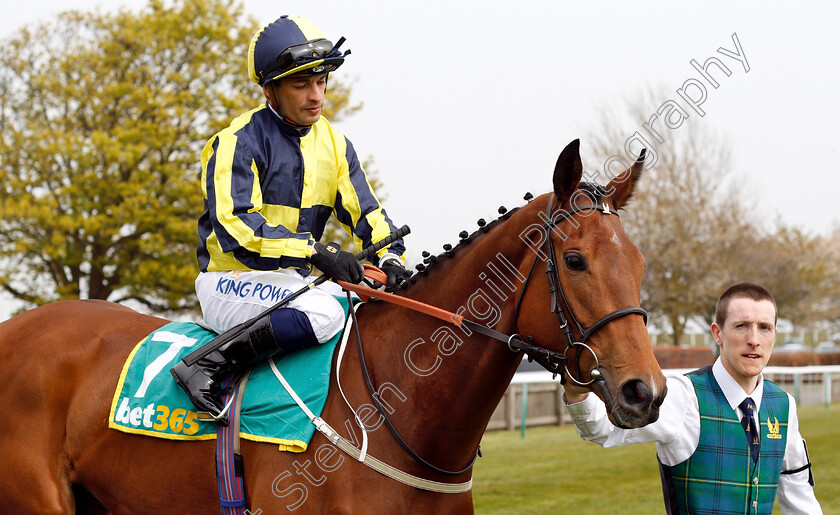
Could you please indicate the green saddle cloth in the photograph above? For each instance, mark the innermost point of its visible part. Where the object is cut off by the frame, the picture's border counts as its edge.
(147, 401)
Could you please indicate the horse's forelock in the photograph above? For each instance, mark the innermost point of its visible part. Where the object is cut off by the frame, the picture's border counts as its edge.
(596, 191)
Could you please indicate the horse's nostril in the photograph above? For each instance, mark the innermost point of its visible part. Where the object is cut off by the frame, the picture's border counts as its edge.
(636, 392)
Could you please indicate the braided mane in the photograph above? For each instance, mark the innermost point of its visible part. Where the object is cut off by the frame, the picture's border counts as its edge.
(594, 190)
(429, 260)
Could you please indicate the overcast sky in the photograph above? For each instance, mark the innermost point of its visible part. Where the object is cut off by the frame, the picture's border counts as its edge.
(467, 104)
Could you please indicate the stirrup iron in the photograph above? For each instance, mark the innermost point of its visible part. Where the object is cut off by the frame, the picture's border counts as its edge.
(221, 418)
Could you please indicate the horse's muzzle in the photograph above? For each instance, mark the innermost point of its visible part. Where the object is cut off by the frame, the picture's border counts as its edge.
(634, 405)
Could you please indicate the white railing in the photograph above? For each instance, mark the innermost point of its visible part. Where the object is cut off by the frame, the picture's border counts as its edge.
(801, 382)
(809, 385)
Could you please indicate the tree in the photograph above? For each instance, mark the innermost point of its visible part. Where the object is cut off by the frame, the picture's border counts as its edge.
(692, 220)
(800, 269)
(829, 254)
(686, 216)
(102, 119)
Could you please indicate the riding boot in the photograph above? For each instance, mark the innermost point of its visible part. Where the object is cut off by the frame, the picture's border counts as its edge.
(202, 381)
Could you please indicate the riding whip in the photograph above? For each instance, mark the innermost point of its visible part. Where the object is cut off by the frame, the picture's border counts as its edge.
(235, 331)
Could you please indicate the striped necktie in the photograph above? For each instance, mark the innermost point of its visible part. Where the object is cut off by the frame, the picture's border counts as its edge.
(748, 422)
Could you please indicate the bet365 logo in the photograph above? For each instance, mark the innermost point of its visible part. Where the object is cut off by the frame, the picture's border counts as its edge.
(159, 418)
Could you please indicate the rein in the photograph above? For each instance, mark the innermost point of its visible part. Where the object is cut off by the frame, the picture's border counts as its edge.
(555, 362)
(515, 343)
(382, 411)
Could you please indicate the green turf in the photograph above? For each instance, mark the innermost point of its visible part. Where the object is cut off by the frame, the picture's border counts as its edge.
(552, 470)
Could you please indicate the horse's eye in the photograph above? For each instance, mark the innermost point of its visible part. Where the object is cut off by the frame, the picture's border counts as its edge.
(575, 262)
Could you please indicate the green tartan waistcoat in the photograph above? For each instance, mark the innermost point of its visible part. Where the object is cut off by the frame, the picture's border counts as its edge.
(720, 478)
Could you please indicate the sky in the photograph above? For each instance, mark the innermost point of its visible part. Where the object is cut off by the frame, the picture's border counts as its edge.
(466, 105)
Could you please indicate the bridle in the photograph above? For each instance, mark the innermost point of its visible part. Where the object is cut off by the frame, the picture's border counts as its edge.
(550, 360)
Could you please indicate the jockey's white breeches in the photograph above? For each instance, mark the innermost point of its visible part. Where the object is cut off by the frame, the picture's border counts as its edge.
(230, 298)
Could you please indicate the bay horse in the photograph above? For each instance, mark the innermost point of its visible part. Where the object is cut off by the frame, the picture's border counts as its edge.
(440, 384)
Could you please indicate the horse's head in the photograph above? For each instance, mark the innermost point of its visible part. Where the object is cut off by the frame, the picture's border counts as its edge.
(592, 284)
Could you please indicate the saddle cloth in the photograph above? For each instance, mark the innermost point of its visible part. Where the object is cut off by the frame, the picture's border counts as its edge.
(147, 400)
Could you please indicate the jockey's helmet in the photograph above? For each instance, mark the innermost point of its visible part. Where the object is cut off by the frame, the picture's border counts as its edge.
(291, 45)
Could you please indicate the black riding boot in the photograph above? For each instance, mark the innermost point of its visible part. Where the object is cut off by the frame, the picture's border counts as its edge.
(202, 381)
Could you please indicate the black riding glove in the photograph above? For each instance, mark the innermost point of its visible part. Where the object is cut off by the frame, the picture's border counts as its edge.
(396, 272)
(337, 264)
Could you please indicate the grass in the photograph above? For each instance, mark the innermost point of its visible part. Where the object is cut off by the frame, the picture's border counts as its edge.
(552, 470)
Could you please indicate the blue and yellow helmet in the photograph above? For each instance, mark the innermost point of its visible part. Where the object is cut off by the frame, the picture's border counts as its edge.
(291, 45)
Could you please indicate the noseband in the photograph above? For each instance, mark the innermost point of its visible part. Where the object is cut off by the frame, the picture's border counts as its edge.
(550, 360)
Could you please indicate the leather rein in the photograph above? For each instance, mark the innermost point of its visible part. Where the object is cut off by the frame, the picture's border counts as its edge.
(555, 362)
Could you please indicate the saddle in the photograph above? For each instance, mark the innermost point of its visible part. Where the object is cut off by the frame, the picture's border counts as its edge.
(147, 401)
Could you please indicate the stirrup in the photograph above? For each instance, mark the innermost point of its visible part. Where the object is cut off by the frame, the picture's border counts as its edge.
(221, 419)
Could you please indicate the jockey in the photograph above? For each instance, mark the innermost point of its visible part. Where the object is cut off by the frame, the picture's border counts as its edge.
(271, 180)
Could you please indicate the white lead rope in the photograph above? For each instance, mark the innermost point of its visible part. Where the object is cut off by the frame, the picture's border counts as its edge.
(361, 455)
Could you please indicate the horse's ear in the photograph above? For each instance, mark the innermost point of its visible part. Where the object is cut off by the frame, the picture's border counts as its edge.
(567, 171)
(623, 186)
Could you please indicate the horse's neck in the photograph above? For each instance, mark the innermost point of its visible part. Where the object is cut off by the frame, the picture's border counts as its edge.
(452, 380)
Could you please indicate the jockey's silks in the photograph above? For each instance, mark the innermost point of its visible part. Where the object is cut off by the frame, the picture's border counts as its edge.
(269, 190)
